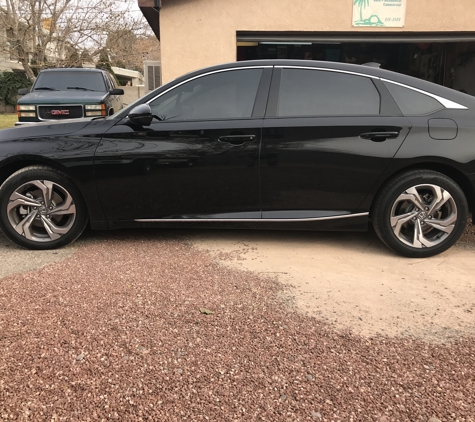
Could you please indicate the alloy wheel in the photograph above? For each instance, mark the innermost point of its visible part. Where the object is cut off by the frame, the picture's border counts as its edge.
(423, 216)
(41, 211)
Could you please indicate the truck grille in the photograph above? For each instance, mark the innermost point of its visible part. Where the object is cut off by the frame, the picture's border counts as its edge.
(60, 112)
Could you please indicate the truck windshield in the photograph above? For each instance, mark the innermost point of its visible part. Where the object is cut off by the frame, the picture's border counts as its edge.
(63, 81)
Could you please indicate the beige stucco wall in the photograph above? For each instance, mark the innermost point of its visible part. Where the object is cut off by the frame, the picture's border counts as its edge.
(199, 33)
(132, 93)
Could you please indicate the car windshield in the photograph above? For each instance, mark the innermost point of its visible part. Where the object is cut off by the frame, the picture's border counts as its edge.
(64, 81)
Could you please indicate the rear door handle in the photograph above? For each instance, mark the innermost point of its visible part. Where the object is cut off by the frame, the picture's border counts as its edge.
(379, 136)
(237, 140)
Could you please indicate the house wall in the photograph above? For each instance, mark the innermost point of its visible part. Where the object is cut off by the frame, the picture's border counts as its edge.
(200, 33)
(6, 65)
(132, 93)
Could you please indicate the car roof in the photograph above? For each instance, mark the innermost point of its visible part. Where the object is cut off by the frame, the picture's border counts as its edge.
(78, 69)
(369, 70)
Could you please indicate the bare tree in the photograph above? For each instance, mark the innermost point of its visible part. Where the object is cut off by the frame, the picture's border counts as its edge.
(130, 49)
(46, 33)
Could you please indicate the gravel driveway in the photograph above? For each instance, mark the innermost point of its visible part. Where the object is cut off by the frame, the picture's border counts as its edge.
(158, 325)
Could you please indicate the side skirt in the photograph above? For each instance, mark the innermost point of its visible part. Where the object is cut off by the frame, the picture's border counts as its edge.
(347, 222)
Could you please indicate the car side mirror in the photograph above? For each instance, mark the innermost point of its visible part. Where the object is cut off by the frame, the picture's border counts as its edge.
(116, 91)
(23, 91)
(141, 115)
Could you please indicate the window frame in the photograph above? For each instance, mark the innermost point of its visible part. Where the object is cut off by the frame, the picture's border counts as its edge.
(444, 102)
(388, 105)
(109, 79)
(260, 100)
(64, 71)
(273, 105)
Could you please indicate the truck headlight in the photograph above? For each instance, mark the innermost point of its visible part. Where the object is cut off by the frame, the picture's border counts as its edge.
(26, 110)
(95, 110)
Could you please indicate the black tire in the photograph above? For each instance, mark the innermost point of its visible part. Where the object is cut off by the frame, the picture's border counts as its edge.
(420, 213)
(35, 219)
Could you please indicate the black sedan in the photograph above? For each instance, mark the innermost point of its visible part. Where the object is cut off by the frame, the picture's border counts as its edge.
(272, 144)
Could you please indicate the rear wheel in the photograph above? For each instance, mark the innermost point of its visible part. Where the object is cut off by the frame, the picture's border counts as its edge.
(420, 213)
(41, 209)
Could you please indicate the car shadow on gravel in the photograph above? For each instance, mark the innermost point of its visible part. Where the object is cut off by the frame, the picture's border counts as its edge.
(17, 259)
(360, 242)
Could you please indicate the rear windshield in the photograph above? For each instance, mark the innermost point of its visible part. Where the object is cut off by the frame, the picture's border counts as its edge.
(63, 81)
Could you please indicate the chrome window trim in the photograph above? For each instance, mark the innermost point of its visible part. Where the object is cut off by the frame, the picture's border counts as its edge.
(335, 71)
(449, 104)
(206, 74)
(349, 72)
(246, 220)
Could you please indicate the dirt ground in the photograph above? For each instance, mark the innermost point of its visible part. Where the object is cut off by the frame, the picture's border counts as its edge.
(350, 280)
(181, 325)
(354, 282)
(14, 260)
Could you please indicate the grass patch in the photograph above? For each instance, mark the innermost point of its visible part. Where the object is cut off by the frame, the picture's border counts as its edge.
(7, 120)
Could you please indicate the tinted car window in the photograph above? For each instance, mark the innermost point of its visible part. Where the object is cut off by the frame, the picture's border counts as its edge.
(112, 81)
(320, 93)
(223, 95)
(109, 82)
(412, 102)
(62, 80)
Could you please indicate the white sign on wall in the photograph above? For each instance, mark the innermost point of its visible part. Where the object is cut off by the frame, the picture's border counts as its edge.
(384, 13)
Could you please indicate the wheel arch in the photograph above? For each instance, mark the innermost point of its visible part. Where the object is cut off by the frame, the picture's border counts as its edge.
(54, 216)
(20, 162)
(456, 175)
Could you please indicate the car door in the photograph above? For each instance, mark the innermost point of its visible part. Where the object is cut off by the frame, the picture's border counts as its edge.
(327, 137)
(199, 159)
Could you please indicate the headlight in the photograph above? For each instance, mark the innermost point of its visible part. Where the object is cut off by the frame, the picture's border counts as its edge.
(99, 110)
(26, 111)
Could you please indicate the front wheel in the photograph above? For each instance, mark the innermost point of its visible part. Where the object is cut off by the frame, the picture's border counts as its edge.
(420, 213)
(41, 209)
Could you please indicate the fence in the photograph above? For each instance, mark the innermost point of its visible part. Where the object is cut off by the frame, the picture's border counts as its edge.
(6, 108)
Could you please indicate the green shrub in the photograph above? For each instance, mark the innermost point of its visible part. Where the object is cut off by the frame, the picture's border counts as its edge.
(10, 83)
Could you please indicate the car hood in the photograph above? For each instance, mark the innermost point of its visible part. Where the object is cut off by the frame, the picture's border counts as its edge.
(62, 97)
(44, 129)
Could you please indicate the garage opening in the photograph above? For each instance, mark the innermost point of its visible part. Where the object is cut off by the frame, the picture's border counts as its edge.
(447, 60)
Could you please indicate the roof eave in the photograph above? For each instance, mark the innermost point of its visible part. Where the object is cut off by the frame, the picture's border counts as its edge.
(151, 12)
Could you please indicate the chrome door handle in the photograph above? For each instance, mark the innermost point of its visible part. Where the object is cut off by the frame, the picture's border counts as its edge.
(237, 140)
(379, 136)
